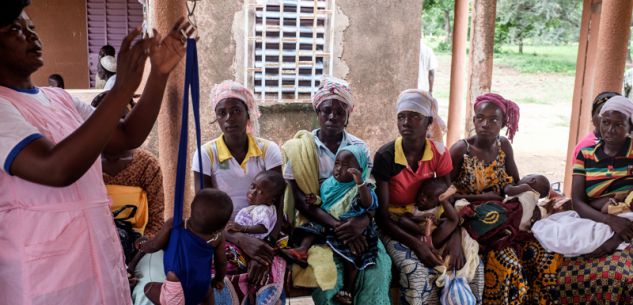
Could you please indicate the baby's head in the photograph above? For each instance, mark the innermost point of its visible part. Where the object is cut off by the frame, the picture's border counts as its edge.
(267, 188)
(538, 182)
(429, 193)
(345, 160)
(211, 209)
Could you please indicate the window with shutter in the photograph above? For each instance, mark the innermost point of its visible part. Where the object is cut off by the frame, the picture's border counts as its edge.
(108, 23)
(290, 48)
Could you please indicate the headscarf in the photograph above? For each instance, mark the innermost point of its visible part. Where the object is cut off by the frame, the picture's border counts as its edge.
(620, 104)
(333, 88)
(422, 102)
(601, 99)
(232, 89)
(509, 108)
(11, 10)
(332, 190)
(109, 63)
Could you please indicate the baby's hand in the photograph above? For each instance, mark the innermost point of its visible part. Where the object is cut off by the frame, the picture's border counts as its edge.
(217, 283)
(356, 174)
(139, 243)
(620, 197)
(310, 198)
(233, 227)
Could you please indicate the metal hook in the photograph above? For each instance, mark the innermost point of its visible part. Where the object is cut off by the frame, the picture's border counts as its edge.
(192, 17)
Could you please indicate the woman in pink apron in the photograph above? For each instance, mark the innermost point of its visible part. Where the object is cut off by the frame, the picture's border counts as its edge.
(58, 243)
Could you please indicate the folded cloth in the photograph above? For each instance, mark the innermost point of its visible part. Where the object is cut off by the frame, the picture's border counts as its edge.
(321, 270)
(469, 271)
(570, 235)
(301, 152)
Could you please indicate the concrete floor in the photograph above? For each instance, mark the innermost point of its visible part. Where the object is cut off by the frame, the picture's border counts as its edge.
(300, 301)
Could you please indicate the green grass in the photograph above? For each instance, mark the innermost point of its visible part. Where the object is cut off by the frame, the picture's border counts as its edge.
(535, 59)
(539, 59)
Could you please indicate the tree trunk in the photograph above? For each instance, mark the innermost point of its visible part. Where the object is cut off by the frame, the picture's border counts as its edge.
(447, 27)
(482, 41)
(520, 45)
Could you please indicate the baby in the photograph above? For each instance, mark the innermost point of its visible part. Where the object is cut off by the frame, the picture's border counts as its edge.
(344, 195)
(259, 218)
(532, 191)
(424, 219)
(188, 277)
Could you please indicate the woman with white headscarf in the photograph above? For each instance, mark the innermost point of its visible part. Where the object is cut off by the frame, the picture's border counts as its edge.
(602, 173)
(400, 167)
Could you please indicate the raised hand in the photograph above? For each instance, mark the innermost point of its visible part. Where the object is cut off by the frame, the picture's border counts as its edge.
(131, 62)
(166, 53)
(358, 179)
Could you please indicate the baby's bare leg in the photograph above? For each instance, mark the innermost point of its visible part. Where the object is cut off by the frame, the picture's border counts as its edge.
(152, 291)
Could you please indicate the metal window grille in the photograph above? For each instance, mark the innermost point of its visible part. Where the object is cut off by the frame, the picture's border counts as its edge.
(290, 46)
(108, 22)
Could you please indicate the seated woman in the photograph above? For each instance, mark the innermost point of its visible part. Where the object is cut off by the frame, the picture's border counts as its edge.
(400, 168)
(592, 137)
(483, 165)
(134, 177)
(610, 163)
(310, 160)
(230, 163)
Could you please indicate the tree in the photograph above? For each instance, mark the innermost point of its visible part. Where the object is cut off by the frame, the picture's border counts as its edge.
(549, 20)
(436, 12)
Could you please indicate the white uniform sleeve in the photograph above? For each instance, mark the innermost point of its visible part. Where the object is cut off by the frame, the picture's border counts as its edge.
(15, 134)
(206, 164)
(273, 156)
(287, 171)
(85, 110)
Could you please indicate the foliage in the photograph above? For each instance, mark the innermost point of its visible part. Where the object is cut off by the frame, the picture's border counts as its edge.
(437, 18)
(518, 21)
(548, 21)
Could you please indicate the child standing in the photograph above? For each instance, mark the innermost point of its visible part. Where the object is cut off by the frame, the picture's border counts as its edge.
(190, 282)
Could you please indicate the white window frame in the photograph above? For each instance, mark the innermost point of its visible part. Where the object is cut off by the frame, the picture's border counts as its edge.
(287, 71)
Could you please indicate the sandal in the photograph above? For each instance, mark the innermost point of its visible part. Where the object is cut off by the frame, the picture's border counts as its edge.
(344, 297)
(294, 256)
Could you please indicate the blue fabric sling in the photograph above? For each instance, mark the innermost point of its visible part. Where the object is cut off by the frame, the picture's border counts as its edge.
(187, 255)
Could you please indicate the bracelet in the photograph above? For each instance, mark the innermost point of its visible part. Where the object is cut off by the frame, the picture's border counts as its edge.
(362, 184)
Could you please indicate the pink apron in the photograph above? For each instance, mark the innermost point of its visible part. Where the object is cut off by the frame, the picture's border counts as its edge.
(58, 245)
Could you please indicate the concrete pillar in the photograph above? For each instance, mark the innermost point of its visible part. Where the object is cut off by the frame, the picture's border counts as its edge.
(166, 12)
(457, 95)
(615, 22)
(378, 70)
(580, 121)
(482, 40)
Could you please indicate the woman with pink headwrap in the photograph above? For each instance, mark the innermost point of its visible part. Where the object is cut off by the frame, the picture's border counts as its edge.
(483, 165)
(230, 162)
(310, 156)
